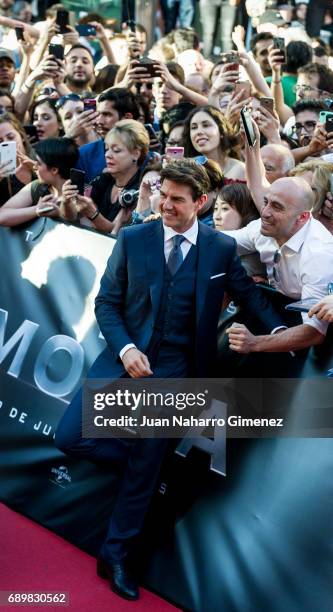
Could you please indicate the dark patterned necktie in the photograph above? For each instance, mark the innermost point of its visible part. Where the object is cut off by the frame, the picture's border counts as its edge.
(176, 258)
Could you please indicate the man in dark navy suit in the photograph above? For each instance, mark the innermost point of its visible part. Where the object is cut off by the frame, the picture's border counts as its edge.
(158, 309)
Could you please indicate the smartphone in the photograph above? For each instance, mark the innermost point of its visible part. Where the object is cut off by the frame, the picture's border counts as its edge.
(19, 33)
(31, 132)
(62, 20)
(45, 209)
(244, 87)
(231, 57)
(329, 123)
(57, 51)
(149, 65)
(89, 104)
(267, 103)
(151, 131)
(131, 25)
(248, 127)
(331, 184)
(77, 177)
(85, 29)
(8, 154)
(302, 305)
(279, 43)
(174, 152)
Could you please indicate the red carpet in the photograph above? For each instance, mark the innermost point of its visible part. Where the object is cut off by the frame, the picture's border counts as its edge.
(34, 559)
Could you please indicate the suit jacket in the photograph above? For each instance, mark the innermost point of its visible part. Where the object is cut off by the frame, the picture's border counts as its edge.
(131, 287)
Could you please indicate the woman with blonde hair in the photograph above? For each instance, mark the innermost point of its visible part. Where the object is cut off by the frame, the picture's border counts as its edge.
(319, 174)
(113, 194)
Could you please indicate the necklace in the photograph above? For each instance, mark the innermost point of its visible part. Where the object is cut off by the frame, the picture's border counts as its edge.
(120, 186)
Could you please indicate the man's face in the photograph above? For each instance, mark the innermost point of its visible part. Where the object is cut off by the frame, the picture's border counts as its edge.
(273, 165)
(7, 72)
(305, 123)
(281, 211)
(107, 117)
(79, 67)
(165, 96)
(261, 55)
(177, 207)
(307, 87)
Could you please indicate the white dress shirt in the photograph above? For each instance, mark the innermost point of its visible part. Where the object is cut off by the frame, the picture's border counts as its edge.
(305, 264)
(191, 237)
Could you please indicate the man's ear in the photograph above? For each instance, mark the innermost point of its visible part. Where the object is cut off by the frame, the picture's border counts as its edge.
(128, 116)
(201, 201)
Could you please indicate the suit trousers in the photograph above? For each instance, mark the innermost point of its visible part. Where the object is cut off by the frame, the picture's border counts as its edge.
(137, 461)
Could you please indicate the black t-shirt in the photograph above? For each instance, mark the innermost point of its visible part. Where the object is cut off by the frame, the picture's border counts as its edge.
(9, 186)
(101, 193)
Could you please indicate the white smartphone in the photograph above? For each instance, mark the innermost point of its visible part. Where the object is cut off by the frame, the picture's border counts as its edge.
(8, 154)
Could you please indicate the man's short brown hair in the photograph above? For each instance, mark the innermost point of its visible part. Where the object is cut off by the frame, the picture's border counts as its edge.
(187, 172)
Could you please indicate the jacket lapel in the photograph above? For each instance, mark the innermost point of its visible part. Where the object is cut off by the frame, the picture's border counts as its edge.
(155, 262)
(205, 262)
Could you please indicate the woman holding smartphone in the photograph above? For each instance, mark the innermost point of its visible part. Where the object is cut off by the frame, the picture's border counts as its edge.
(207, 132)
(12, 131)
(40, 198)
(127, 146)
(77, 122)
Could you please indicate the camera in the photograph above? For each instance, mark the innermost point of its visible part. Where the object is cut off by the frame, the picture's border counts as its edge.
(128, 198)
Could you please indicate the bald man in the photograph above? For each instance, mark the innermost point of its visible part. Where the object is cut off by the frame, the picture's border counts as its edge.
(278, 161)
(298, 253)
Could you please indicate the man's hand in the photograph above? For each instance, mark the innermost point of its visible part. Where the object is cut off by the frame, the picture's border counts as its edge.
(275, 60)
(71, 37)
(240, 339)
(82, 124)
(234, 107)
(269, 124)
(324, 309)
(238, 37)
(226, 80)
(136, 363)
(320, 140)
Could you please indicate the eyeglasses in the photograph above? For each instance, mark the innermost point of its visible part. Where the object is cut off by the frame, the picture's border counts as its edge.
(308, 126)
(276, 261)
(61, 101)
(307, 88)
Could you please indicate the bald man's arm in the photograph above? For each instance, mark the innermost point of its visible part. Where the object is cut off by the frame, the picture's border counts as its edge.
(241, 340)
(255, 170)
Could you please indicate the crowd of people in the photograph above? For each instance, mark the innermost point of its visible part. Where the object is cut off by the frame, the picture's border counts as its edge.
(119, 114)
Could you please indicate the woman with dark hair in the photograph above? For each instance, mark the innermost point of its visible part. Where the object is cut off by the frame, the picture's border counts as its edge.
(207, 132)
(40, 198)
(12, 131)
(114, 193)
(106, 78)
(234, 208)
(45, 117)
(7, 102)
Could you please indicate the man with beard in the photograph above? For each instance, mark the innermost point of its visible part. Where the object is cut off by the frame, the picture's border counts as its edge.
(79, 67)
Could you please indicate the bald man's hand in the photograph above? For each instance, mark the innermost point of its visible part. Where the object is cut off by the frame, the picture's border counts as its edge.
(323, 310)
